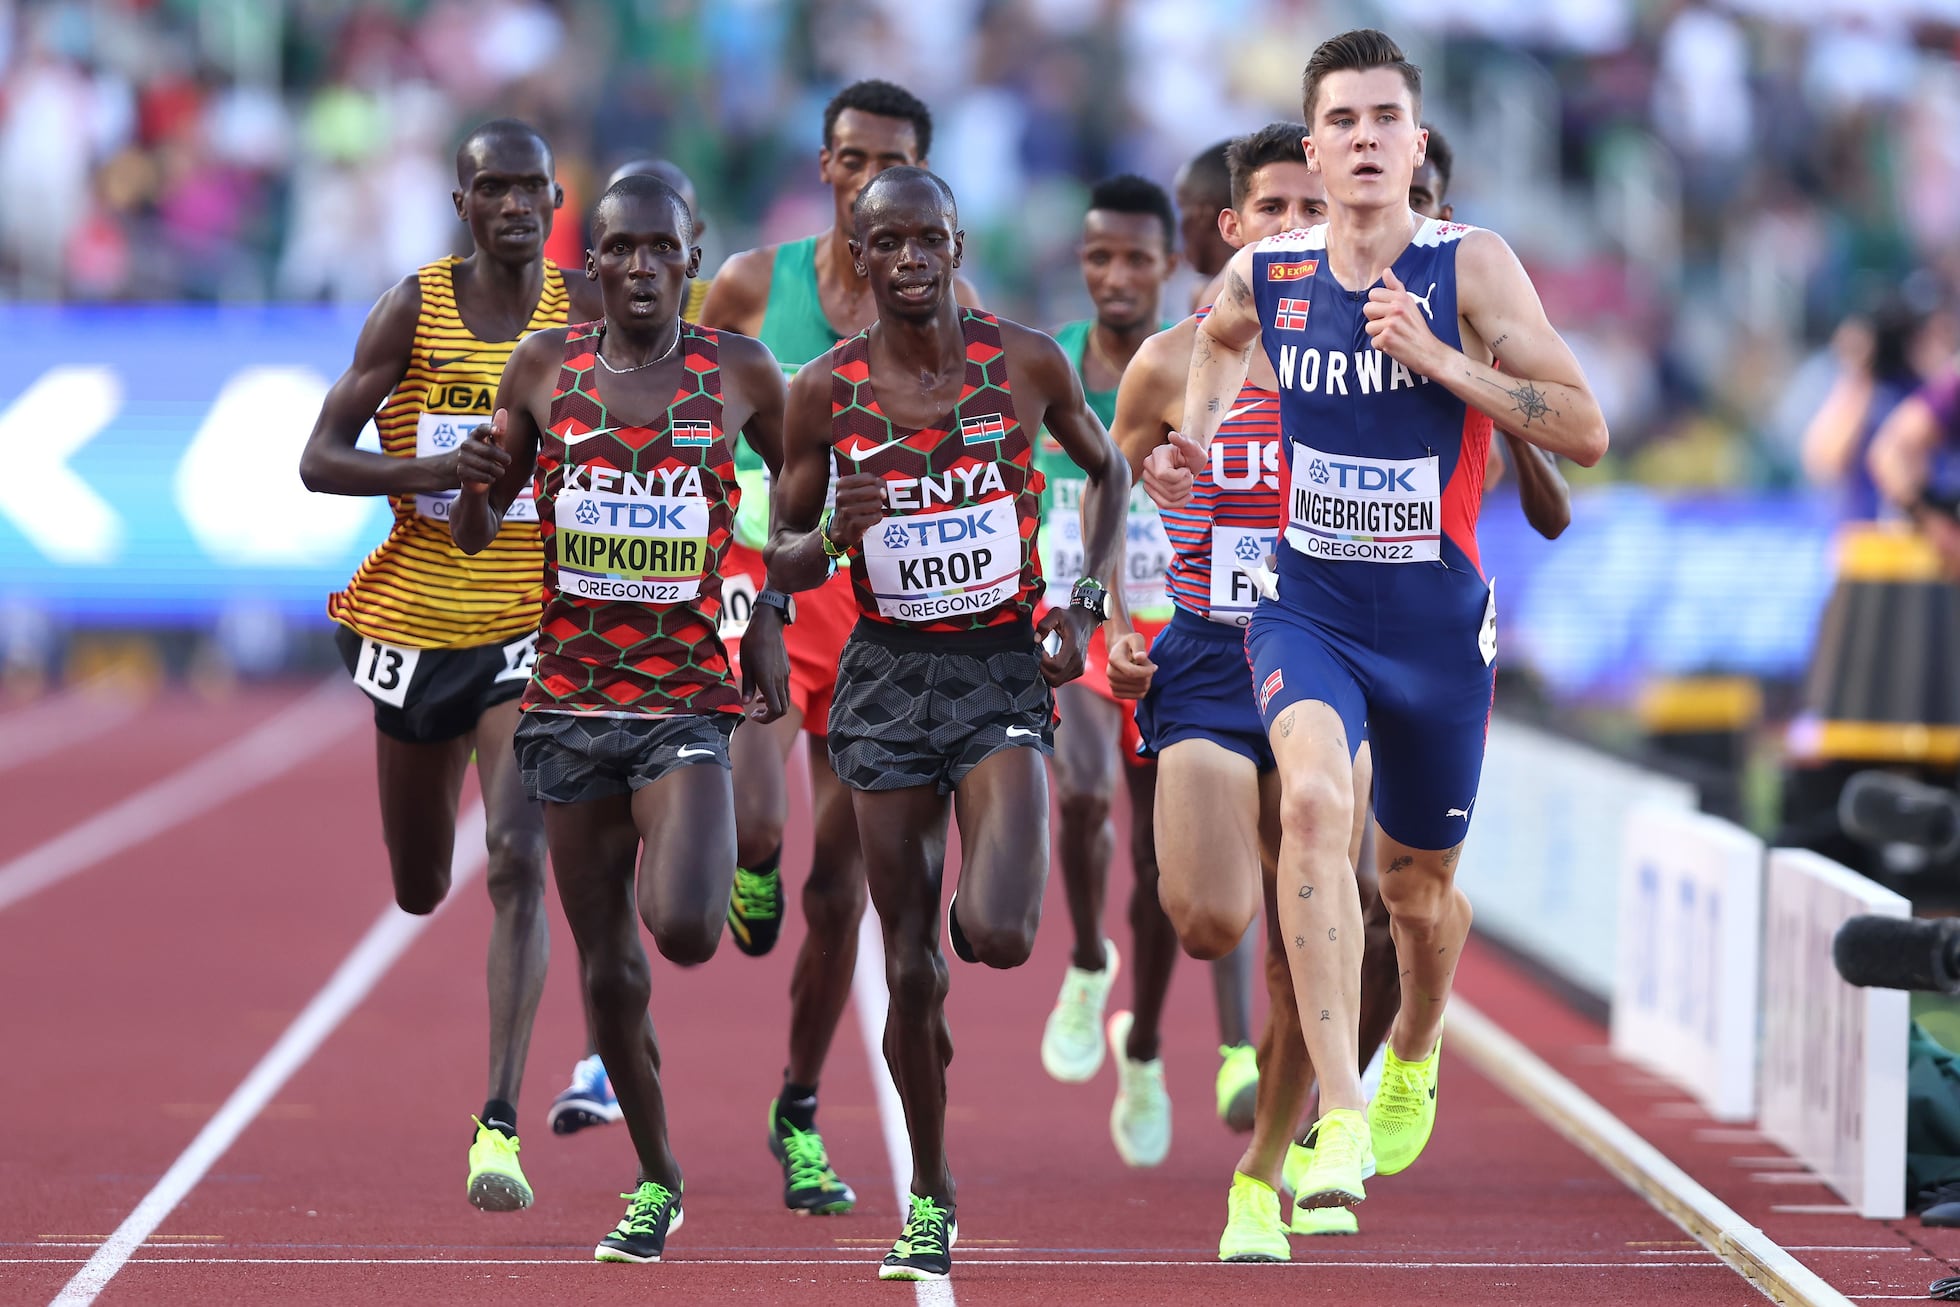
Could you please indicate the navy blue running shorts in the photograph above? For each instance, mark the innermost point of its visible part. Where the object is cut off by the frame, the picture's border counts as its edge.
(1202, 690)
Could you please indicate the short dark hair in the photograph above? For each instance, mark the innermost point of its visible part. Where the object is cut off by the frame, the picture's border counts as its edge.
(1273, 143)
(886, 100)
(1128, 193)
(645, 186)
(1357, 51)
(1209, 174)
(492, 132)
(899, 176)
(1441, 157)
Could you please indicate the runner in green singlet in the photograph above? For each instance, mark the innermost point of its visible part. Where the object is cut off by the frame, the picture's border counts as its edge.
(800, 299)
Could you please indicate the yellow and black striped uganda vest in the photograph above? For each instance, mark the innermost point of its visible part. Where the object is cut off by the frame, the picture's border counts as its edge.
(418, 590)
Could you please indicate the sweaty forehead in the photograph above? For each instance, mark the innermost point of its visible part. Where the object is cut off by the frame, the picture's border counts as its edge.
(510, 155)
(875, 134)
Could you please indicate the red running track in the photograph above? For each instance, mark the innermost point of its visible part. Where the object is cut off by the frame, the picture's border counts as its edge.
(147, 987)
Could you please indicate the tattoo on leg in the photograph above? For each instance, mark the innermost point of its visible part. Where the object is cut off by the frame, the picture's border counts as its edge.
(1306, 891)
(1396, 864)
(1325, 1015)
(1330, 932)
(1299, 941)
(1286, 723)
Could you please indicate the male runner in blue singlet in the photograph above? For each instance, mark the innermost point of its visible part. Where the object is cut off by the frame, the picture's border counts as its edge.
(1386, 332)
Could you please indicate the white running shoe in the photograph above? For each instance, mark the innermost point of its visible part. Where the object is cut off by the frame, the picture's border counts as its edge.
(1140, 1122)
(1072, 1042)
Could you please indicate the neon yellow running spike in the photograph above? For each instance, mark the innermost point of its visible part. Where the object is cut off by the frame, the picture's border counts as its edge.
(1253, 1232)
(1298, 1158)
(1238, 1085)
(1314, 1220)
(1403, 1112)
(1341, 1161)
(497, 1182)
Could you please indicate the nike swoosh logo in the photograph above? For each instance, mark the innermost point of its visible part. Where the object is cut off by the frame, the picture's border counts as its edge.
(695, 753)
(1014, 732)
(1238, 412)
(438, 364)
(575, 439)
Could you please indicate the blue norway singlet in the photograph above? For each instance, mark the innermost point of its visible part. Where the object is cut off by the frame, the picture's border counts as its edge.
(1385, 467)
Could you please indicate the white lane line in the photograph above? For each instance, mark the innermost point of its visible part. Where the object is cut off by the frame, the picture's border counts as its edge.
(275, 747)
(571, 1259)
(386, 940)
(73, 717)
(1576, 1115)
(871, 999)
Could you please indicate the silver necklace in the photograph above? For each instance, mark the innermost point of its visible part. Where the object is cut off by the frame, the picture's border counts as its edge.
(620, 372)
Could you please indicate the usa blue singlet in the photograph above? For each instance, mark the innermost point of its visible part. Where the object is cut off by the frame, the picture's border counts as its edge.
(1383, 610)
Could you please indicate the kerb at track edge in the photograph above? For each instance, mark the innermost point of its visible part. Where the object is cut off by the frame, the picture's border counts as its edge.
(352, 981)
(1615, 1145)
(872, 1000)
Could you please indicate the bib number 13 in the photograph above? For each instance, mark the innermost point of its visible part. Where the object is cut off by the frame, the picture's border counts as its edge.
(383, 671)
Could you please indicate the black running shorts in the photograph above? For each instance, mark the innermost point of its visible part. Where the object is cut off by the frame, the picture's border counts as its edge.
(573, 757)
(916, 709)
(425, 696)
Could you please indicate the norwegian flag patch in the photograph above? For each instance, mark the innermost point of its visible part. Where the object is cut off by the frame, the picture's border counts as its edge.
(694, 433)
(1271, 688)
(983, 430)
(1291, 315)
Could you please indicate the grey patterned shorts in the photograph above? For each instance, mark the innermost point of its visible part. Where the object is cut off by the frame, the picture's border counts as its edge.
(570, 758)
(905, 716)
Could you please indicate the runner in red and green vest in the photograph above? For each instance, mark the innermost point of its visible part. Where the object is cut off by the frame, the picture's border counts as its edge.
(929, 419)
(631, 424)
(799, 299)
(1127, 257)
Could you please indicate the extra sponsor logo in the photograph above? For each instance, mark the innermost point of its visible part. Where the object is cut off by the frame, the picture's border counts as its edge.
(1298, 271)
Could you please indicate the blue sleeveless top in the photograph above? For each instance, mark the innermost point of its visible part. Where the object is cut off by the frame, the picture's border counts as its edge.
(1385, 467)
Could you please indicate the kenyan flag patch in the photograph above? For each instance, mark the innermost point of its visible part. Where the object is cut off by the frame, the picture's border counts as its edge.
(984, 430)
(694, 433)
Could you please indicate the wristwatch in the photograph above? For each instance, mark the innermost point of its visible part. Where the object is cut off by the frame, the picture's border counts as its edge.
(1089, 594)
(776, 599)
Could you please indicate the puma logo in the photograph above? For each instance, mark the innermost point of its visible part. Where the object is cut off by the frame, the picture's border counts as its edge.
(1460, 812)
(1424, 301)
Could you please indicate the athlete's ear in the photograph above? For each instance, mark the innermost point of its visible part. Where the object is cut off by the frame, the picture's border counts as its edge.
(857, 255)
(1313, 158)
(1447, 212)
(557, 196)
(823, 165)
(694, 261)
(1228, 228)
(959, 247)
(1422, 145)
(456, 198)
(591, 265)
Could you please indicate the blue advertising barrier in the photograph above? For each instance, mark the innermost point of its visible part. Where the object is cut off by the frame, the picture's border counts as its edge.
(151, 458)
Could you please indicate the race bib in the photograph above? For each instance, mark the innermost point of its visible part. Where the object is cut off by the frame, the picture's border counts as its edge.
(1237, 555)
(1146, 550)
(1345, 508)
(649, 549)
(520, 657)
(441, 433)
(927, 566)
(1487, 635)
(737, 603)
(383, 671)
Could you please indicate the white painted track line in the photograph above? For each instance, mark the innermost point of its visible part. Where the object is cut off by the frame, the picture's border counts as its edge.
(872, 1000)
(385, 941)
(273, 748)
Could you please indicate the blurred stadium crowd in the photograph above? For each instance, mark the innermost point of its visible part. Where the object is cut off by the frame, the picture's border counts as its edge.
(1704, 190)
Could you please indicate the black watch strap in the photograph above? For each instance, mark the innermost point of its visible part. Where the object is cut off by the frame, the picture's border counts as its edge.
(778, 600)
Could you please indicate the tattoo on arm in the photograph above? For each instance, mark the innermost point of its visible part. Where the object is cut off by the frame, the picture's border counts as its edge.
(1530, 402)
(1235, 287)
(1499, 341)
